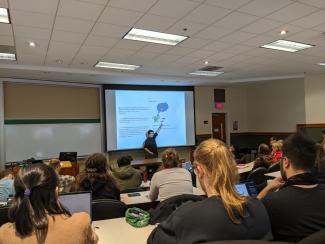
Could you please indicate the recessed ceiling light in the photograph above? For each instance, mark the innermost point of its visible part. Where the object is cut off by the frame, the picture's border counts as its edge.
(283, 32)
(32, 44)
(117, 66)
(206, 73)
(154, 37)
(206, 62)
(287, 46)
(322, 64)
(4, 16)
(7, 56)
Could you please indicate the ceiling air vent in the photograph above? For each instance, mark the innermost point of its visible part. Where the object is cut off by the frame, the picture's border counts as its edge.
(210, 68)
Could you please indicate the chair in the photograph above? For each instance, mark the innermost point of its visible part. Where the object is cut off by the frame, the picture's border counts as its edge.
(315, 238)
(107, 209)
(259, 178)
(4, 215)
(168, 206)
(273, 168)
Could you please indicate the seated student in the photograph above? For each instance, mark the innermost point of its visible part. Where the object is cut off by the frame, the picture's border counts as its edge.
(263, 158)
(224, 215)
(276, 151)
(96, 179)
(125, 175)
(296, 210)
(66, 181)
(38, 216)
(171, 180)
(6, 185)
(319, 169)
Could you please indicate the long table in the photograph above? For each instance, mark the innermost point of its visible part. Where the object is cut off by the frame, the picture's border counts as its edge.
(118, 231)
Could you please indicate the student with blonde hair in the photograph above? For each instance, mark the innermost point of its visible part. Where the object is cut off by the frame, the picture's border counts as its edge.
(276, 151)
(224, 214)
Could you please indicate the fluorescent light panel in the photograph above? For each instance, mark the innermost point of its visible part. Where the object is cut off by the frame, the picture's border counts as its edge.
(206, 73)
(154, 37)
(287, 46)
(117, 66)
(4, 16)
(322, 64)
(7, 56)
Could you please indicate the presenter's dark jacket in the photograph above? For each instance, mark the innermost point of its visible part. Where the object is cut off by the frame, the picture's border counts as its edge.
(150, 143)
(207, 221)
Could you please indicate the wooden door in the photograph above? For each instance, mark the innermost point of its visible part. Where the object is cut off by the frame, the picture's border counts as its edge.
(219, 126)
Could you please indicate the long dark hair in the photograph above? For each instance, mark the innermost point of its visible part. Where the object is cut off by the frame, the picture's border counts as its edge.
(36, 198)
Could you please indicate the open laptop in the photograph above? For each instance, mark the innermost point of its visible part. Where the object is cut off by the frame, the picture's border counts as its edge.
(246, 188)
(76, 202)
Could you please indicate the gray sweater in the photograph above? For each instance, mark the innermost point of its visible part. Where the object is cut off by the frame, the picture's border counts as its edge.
(170, 182)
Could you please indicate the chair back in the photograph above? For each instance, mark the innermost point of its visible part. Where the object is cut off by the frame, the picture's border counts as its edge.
(107, 209)
(259, 178)
(4, 218)
(274, 167)
(316, 238)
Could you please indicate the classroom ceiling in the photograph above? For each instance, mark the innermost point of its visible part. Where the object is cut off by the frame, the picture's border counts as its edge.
(71, 36)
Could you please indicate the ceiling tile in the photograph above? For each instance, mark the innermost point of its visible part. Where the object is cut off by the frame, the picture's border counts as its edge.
(23, 31)
(6, 40)
(68, 37)
(39, 49)
(156, 48)
(206, 14)
(101, 41)
(165, 58)
(155, 22)
(73, 25)
(130, 45)
(264, 7)
(260, 40)
(141, 5)
(292, 12)
(220, 56)
(62, 50)
(143, 56)
(92, 51)
(178, 10)
(201, 53)
(229, 4)
(235, 21)
(238, 49)
(261, 26)
(186, 60)
(191, 28)
(5, 29)
(102, 29)
(101, 2)
(217, 46)
(38, 6)
(237, 37)
(31, 19)
(311, 20)
(3, 3)
(194, 42)
(118, 53)
(181, 51)
(292, 29)
(30, 59)
(78, 9)
(315, 3)
(119, 16)
(213, 33)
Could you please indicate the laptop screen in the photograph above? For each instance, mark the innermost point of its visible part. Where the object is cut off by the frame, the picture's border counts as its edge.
(246, 189)
(76, 202)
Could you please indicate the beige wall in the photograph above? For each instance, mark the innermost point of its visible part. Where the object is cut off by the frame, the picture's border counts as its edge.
(234, 107)
(275, 106)
(315, 98)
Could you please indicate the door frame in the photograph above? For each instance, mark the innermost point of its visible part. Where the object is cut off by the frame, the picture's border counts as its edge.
(226, 125)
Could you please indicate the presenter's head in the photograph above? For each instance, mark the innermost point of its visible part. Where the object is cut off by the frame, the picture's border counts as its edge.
(36, 198)
(150, 133)
(170, 158)
(216, 169)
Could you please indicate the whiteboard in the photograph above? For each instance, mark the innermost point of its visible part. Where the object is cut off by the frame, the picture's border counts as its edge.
(43, 141)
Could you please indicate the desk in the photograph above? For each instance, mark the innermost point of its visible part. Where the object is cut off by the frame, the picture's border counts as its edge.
(118, 231)
(248, 168)
(274, 174)
(146, 162)
(143, 198)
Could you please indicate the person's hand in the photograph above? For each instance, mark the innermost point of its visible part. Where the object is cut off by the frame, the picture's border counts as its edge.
(275, 184)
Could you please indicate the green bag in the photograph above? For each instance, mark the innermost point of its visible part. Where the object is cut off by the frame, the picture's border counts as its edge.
(137, 217)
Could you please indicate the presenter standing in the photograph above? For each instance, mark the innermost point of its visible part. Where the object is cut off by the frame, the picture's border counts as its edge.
(150, 145)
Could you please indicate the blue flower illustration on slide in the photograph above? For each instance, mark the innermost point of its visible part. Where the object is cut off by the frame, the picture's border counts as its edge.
(161, 107)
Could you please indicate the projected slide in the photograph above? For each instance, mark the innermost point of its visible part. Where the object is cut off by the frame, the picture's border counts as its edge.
(138, 111)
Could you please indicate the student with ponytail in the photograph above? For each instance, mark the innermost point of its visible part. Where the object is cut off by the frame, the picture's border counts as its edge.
(38, 216)
(171, 180)
(224, 214)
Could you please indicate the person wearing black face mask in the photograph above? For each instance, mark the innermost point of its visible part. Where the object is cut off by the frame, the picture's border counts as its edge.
(295, 201)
